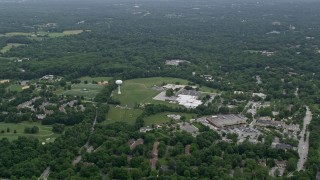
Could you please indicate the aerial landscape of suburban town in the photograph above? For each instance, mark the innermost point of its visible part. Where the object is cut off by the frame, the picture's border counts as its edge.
(160, 89)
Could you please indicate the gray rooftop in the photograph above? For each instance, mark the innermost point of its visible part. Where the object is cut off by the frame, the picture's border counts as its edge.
(226, 120)
(283, 146)
(190, 92)
(189, 128)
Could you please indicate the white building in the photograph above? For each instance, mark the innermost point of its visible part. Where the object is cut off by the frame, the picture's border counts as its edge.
(188, 101)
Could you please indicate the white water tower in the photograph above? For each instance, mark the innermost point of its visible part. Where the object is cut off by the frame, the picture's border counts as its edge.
(119, 82)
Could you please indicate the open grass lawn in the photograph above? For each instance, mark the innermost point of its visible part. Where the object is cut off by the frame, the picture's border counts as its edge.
(9, 46)
(97, 79)
(125, 115)
(140, 90)
(162, 118)
(50, 34)
(86, 90)
(206, 89)
(15, 87)
(10, 34)
(72, 32)
(45, 132)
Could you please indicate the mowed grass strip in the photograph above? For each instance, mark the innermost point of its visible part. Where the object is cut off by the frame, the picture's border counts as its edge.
(10, 34)
(45, 132)
(122, 115)
(9, 46)
(72, 32)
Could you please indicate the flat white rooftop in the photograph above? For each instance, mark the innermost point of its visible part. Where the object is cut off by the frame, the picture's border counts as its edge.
(188, 101)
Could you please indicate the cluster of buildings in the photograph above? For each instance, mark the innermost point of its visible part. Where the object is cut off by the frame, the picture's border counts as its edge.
(43, 107)
(274, 32)
(186, 98)
(145, 129)
(175, 62)
(231, 123)
(261, 95)
(184, 126)
(290, 129)
(254, 106)
(148, 128)
(174, 116)
(264, 52)
(267, 122)
(208, 78)
(28, 104)
(309, 38)
(72, 104)
(22, 59)
(51, 78)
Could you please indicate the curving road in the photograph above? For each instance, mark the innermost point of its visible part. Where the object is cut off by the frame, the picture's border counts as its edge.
(303, 147)
(89, 148)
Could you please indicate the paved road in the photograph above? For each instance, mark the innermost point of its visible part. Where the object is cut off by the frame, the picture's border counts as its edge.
(296, 93)
(303, 147)
(45, 174)
(87, 145)
(154, 155)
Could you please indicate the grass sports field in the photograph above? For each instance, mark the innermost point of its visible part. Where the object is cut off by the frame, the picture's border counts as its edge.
(118, 115)
(45, 132)
(86, 90)
(140, 90)
(162, 118)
